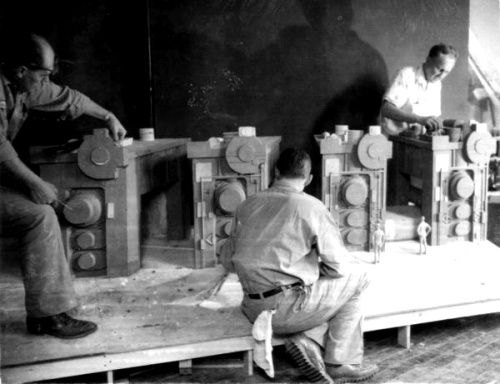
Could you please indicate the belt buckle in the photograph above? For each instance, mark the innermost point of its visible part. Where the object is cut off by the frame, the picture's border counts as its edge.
(255, 296)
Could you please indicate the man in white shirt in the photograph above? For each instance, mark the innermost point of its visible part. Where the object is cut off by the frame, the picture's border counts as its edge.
(414, 97)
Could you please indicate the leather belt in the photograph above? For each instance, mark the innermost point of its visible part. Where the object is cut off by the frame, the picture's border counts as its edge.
(273, 291)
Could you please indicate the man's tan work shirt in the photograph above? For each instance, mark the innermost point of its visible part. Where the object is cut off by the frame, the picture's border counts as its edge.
(14, 108)
(279, 237)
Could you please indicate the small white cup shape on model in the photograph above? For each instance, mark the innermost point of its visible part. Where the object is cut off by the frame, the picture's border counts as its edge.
(375, 130)
(342, 131)
(147, 134)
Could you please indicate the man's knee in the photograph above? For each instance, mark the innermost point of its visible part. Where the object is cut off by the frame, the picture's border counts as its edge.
(43, 219)
(44, 213)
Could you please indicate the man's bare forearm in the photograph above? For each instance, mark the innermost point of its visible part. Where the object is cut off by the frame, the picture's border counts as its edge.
(38, 190)
(14, 169)
(392, 112)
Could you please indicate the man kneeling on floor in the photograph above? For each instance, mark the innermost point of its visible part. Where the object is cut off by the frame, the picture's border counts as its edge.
(288, 254)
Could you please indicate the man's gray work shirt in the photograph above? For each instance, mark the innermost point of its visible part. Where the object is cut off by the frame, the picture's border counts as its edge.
(279, 237)
(51, 97)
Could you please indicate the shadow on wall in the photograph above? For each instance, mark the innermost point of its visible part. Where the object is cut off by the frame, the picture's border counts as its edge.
(321, 74)
(289, 68)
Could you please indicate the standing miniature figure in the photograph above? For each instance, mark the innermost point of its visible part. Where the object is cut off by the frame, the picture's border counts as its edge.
(378, 242)
(423, 230)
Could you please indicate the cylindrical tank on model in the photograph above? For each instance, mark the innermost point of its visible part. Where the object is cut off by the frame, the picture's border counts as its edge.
(83, 209)
(228, 195)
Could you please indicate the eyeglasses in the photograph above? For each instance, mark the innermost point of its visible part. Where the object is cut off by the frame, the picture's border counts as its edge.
(52, 71)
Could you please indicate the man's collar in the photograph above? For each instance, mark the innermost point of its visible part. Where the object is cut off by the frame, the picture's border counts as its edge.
(286, 184)
(8, 84)
(421, 75)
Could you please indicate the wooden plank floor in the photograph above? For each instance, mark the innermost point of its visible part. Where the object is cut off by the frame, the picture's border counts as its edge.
(458, 351)
(167, 307)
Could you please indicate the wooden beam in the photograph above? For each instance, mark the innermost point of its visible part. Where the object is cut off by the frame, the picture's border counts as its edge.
(404, 334)
(110, 377)
(112, 362)
(185, 367)
(427, 315)
(248, 361)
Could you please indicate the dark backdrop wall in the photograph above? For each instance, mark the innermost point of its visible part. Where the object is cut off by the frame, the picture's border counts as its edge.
(288, 67)
(103, 52)
(293, 68)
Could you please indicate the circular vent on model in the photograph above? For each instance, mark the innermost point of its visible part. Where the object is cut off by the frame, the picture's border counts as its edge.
(228, 196)
(461, 186)
(83, 209)
(355, 191)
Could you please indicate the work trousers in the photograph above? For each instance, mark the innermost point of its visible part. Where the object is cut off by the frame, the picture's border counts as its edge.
(329, 312)
(46, 275)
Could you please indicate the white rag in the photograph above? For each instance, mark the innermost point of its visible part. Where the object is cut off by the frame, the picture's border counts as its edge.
(262, 332)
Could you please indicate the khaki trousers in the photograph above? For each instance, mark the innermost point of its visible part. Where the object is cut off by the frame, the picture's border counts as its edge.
(329, 312)
(47, 278)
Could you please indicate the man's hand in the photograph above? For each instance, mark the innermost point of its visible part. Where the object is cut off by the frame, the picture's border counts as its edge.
(116, 128)
(432, 123)
(43, 193)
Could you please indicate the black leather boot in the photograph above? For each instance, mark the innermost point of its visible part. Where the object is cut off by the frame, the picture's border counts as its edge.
(61, 325)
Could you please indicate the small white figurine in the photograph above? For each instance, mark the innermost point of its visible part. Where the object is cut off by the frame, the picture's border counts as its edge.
(423, 230)
(378, 242)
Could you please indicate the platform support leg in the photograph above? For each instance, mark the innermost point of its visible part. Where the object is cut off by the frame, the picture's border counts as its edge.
(110, 377)
(248, 361)
(185, 367)
(404, 336)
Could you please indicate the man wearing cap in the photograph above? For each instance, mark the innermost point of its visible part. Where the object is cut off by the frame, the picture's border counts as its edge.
(288, 254)
(27, 201)
(414, 96)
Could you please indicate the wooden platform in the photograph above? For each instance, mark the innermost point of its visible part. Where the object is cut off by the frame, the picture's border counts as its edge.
(165, 313)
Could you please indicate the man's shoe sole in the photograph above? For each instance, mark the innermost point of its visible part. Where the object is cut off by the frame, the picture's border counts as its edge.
(342, 380)
(307, 369)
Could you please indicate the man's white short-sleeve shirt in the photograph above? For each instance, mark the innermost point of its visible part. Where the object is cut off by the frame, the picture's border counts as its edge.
(411, 92)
